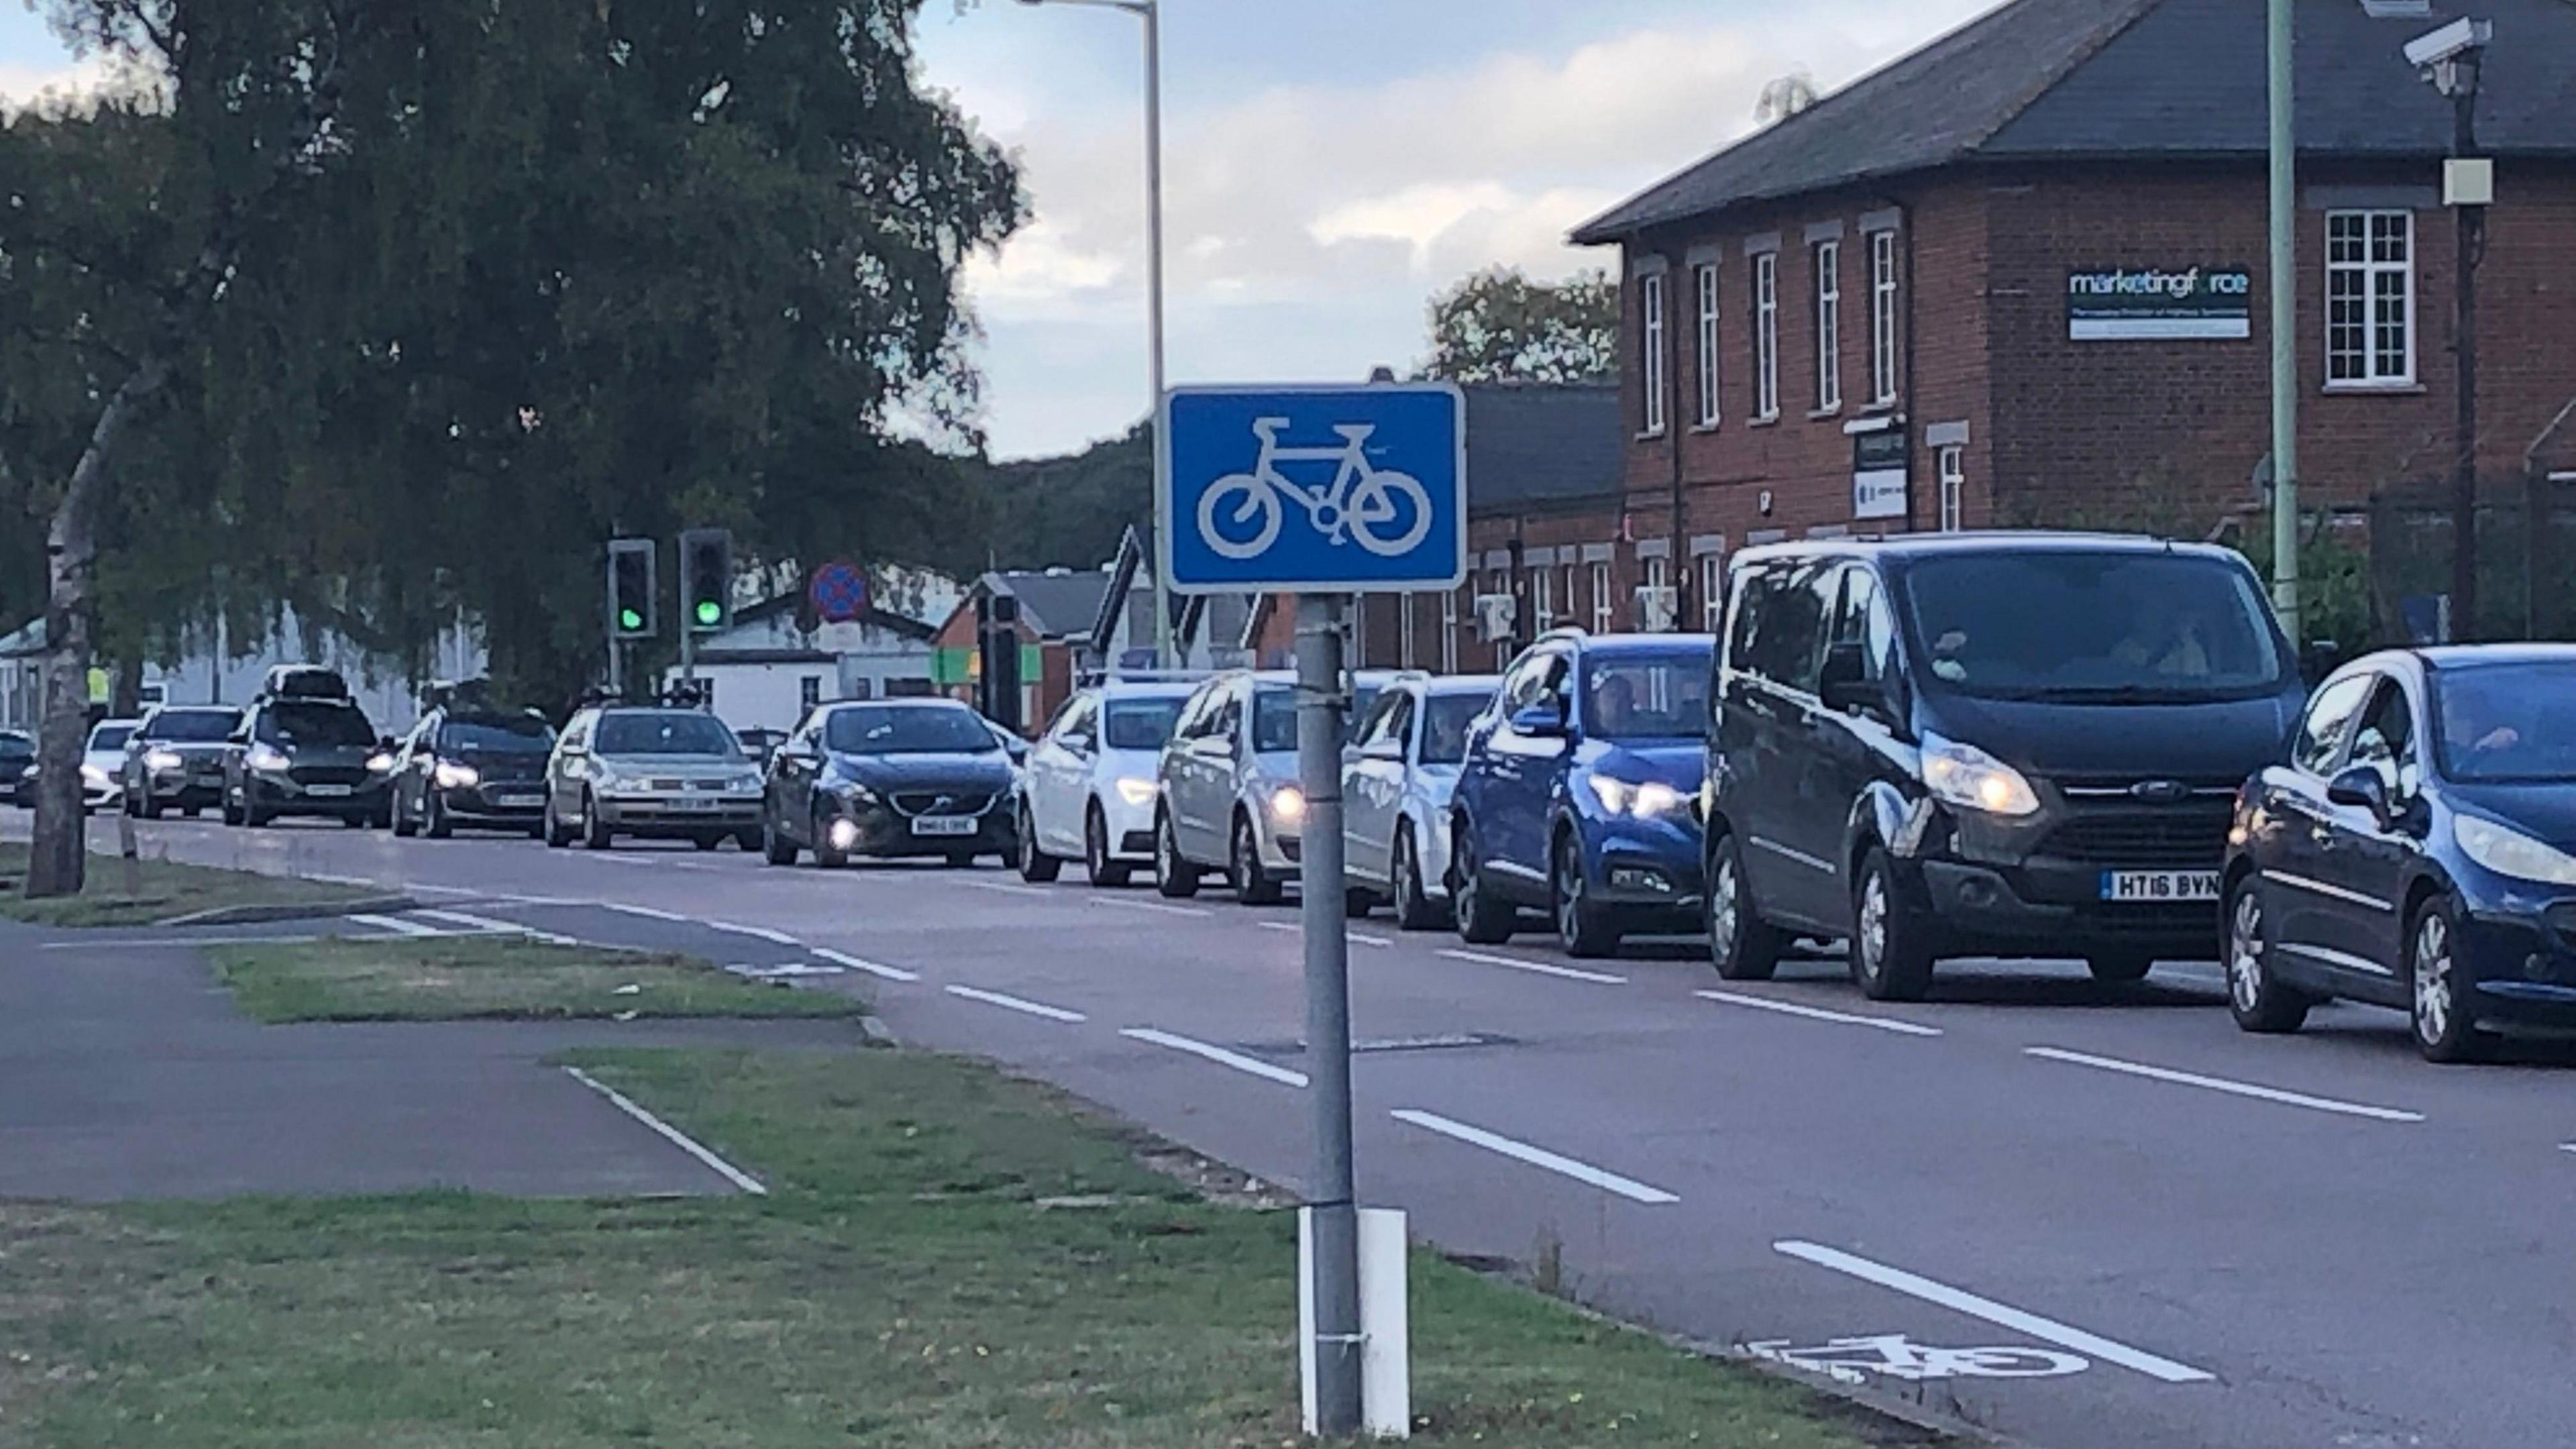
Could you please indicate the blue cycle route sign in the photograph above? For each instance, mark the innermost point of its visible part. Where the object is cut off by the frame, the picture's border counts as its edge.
(1313, 489)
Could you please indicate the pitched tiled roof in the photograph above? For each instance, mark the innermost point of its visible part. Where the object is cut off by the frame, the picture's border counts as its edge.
(1532, 444)
(2137, 79)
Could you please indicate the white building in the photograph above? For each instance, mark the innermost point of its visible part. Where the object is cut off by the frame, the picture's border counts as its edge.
(773, 665)
(204, 675)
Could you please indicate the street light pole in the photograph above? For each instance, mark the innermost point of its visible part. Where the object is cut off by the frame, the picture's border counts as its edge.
(2458, 79)
(2285, 321)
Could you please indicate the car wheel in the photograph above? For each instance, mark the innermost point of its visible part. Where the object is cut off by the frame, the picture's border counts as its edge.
(434, 820)
(1891, 945)
(357, 822)
(747, 840)
(1357, 902)
(826, 855)
(251, 815)
(708, 840)
(1175, 878)
(2446, 1028)
(2255, 997)
(228, 809)
(1741, 945)
(404, 829)
(961, 860)
(1483, 918)
(775, 847)
(1584, 927)
(595, 834)
(1104, 872)
(2120, 967)
(551, 830)
(1413, 911)
(1036, 866)
(1253, 885)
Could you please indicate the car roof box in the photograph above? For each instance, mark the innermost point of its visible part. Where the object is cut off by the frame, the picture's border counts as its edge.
(304, 681)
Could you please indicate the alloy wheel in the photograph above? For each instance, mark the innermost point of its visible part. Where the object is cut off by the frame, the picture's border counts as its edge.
(1871, 941)
(2434, 997)
(1725, 908)
(2245, 952)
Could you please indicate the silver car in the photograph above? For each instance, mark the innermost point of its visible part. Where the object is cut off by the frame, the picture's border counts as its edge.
(1397, 778)
(1230, 801)
(658, 773)
(1090, 784)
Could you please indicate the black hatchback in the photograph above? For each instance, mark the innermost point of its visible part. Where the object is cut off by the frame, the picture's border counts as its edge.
(890, 778)
(2005, 745)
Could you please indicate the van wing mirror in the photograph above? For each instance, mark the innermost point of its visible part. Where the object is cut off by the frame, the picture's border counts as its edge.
(1845, 683)
(1542, 721)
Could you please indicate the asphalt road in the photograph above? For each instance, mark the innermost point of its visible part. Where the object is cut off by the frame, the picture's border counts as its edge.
(2186, 1236)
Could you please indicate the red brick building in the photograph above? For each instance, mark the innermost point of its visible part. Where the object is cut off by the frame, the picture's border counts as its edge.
(2018, 278)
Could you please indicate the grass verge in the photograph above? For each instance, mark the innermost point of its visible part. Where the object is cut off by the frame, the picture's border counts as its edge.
(915, 1280)
(167, 889)
(508, 977)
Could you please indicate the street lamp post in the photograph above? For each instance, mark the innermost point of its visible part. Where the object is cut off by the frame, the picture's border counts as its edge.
(1150, 11)
(2280, 48)
(2454, 72)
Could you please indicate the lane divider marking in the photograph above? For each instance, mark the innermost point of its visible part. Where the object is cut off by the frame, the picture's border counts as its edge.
(1295, 928)
(394, 925)
(1155, 907)
(757, 933)
(645, 912)
(1817, 1013)
(1238, 1061)
(2221, 1084)
(872, 968)
(1004, 888)
(1018, 1004)
(1584, 1172)
(673, 1135)
(1540, 968)
(2001, 1315)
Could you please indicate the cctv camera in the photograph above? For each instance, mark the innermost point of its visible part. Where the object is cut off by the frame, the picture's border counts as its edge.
(2449, 43)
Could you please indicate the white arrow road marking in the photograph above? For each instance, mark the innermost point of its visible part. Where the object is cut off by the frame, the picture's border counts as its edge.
(1959, 1300)
(1539, 968)
(674, 1135)
(1217, 1054)
(1014, 1003)
(1816, 1013)
(1626, 1187)
(889, 973)
(2221, 1084)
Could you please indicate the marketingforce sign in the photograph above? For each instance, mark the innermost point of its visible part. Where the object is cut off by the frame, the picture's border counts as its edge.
(2139, 304)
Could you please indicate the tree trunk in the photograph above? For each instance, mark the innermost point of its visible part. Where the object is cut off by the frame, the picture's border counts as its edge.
(55, 864)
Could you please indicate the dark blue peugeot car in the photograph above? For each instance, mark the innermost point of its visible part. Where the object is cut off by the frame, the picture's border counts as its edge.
(2417, 850)
(1577, 792)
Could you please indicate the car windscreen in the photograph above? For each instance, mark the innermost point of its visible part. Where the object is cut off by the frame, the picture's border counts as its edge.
(500, 735)
(1445, 721)
(2506, 722)
(191, 726)
(679, 732)
(2101, 628)
(1140, 724)
(108, 737)
(1646, 697)
(915, 729)
(315, 724)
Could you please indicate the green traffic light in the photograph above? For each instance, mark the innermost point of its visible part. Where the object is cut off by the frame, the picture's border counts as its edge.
(630, 620)
(710, 613)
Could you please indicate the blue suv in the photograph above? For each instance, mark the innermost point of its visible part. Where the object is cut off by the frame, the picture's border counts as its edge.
(1579, 790)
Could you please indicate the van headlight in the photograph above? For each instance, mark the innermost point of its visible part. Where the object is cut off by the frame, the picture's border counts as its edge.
(1968, 777)
(2512, 853)
(380, 763)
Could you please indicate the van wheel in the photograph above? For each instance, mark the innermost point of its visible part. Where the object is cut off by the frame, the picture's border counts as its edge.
(1584, 927)
(1174, 877)
(1253, 885)
(1891, 943)
(1741, 945)
(2255, 997)
(1413, 910)
(1484, 919)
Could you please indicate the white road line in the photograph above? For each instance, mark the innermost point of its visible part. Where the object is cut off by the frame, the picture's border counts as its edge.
(550, 902)
(421, 888)
(474, 923)
(1295, 928)
(621, 859)
(1218, 1055)
(1999, 1314)
(1156, 907)
(1540, 968)
(645, 912)
(674, 1135)
(1815, 1013)
(2221, 1084)
(757, 933)
(394, 924)
(1004, 888)
(341, 880)
(890, 973)
(1629, 1188)
(1013, 1003)
(1359, 940)
(2567, 1146)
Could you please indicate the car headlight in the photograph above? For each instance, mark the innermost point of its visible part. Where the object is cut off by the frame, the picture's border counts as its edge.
(1645, 801)
(266, 757)
(743, 785)
(1968, 777)
(93, 775)
(380, 763)
(453, 776)
(164, 761)
(1288, 804)
(1139, 793)
(2512, 853)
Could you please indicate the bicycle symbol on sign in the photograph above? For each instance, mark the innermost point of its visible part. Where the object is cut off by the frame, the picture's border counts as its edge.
(1851, 1360)
(1239, 516)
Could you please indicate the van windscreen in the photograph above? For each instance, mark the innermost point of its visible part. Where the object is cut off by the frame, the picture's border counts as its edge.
(2104, 628)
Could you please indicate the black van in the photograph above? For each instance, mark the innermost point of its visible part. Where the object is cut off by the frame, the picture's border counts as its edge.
(2016, 745)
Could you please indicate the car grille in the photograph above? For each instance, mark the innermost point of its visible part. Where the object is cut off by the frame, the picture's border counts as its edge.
(327, 775)
(927, 802)
(2182, 838)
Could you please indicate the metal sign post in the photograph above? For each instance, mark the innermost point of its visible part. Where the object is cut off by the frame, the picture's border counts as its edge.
(1321, 492)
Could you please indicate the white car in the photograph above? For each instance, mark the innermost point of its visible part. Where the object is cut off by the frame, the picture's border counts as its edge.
(1089, 786)
(1231, 803)
(1401, 770)
(103, 764)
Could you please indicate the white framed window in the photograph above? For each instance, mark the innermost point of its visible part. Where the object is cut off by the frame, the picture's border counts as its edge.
(1543, 598)
(1449, 629)
(1829, 326)
(1602, 617)
(1650, 303)
(1568, 600)
(1712, 591)
(1706, 356)
(1766, 336)
(1882, 318)
(1953, 471)
(1405, 649)
(2370, 298)
(1659, 573)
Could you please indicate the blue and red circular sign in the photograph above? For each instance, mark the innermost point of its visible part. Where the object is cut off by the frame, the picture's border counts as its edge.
(840, 593)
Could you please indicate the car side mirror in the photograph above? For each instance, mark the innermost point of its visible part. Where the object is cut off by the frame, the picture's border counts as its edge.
(1542, 721)
(2361, 788)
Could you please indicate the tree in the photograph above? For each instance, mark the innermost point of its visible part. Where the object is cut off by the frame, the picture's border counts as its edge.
(1499, 326)
(396, 309)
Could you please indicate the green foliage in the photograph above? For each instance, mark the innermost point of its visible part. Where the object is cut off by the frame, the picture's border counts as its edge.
(1499, 326)
(1067, 511)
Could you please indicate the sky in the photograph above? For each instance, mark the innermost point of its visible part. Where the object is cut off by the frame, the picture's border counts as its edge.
(1329, 166)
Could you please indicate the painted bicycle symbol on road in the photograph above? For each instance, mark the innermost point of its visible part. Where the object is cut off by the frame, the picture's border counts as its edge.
(1240, 515)
(1893, 1355)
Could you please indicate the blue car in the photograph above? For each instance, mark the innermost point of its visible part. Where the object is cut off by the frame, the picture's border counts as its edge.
(1578, 791)
(2417, 850)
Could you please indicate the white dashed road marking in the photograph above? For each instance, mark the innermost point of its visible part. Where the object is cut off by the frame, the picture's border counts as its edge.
(1014, 1003)
(1004, 888)
(1814, 1013)
(1155, 907)
(2221, 1084)
(644, 912)
(1584, 1172)
(1293, 928)
(673, 1135)
(1217, 1054)
(872, 968)
(1540, 968)
(394, 925)
(757, 933)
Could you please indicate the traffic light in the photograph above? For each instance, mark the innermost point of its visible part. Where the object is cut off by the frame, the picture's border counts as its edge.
(631, 588)
(706, 579)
